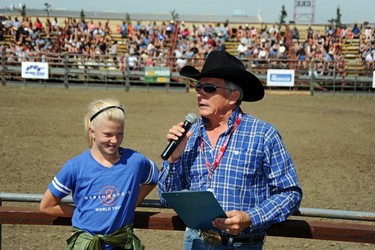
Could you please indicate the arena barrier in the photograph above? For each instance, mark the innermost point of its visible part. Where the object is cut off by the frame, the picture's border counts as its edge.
(361, 227)
(73, 70)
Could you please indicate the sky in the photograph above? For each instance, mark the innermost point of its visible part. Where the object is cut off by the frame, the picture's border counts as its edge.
(353, 11)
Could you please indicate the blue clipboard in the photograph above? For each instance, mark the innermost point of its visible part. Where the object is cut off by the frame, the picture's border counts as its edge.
(197, 209)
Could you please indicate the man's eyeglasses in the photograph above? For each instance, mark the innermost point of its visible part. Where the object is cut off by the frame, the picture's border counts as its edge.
(207, 87)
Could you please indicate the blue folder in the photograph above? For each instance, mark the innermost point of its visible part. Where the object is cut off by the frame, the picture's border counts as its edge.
(197, 209)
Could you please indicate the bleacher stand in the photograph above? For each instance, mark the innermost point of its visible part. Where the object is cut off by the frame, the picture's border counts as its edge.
(339, 47)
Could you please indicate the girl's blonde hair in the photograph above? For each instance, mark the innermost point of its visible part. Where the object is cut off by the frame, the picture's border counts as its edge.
(99, 110)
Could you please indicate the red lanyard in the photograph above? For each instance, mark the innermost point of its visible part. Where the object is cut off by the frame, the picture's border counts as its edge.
(221, 151)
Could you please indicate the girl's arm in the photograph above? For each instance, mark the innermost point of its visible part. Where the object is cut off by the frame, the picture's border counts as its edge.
(144, 190)
(51, 205)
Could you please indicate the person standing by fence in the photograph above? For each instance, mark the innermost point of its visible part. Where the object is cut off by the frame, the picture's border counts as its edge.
(238, 157)
(107, 183)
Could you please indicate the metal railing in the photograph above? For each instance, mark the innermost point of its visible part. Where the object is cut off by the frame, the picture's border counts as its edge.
(107, 70)
(304, 227)
(304, 212)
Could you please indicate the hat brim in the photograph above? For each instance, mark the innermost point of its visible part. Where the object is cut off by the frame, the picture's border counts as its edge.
(252, 87)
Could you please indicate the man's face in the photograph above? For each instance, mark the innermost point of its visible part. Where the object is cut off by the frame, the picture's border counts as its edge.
(217, 103)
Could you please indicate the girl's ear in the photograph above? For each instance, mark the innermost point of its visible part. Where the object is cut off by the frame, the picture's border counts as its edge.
(91, 132)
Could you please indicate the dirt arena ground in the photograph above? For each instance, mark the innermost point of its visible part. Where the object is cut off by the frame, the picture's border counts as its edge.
(330, 137)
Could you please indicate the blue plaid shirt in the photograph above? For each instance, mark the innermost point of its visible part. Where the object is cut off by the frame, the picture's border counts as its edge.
(256, 173)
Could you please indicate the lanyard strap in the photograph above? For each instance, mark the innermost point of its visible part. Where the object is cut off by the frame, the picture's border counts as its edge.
(222, 149)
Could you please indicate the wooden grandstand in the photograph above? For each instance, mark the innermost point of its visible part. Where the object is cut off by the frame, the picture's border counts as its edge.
(353, 64)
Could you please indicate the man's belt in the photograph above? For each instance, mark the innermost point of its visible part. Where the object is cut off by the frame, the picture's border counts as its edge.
(215, 238)
(230, 240)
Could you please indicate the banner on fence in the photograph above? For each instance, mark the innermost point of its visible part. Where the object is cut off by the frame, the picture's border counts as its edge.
(280, 77)
(34, 70)
(157, 74)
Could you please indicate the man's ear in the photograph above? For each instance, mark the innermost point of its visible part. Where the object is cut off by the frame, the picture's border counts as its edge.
(234, 96)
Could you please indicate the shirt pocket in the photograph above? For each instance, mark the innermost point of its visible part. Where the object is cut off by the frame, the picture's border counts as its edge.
(250, 162)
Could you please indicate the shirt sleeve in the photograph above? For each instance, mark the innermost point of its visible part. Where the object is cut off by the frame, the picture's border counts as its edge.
(169, 179)
(285, 191)
(152, 173)
(62, 183)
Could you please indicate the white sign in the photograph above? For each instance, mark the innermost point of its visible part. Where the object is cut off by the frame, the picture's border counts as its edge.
(373, 79)
(302, 3)
(280, 77)
(34, 70)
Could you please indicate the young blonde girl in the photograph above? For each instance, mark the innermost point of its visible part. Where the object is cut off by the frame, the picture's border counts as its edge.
(107, 182)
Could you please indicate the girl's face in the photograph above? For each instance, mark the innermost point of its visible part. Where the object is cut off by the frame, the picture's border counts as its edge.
(107, 137)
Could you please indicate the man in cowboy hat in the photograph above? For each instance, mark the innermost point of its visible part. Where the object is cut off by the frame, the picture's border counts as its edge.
(238, 157)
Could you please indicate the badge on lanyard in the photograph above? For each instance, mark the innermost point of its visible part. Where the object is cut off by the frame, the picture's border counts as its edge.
(215, 164)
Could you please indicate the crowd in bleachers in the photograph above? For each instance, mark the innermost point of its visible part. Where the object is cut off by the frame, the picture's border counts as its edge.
(328, 46)
(30, 38)
(150, 44)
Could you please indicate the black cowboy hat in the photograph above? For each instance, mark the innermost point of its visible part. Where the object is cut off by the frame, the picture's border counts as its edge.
(221, 64)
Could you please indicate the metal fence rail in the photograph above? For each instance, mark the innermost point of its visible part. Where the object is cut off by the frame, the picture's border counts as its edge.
(69, 69)
(295, 226)
(304, 212)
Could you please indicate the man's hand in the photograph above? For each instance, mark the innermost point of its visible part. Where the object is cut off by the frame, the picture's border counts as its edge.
(236, 222)
(173, 134)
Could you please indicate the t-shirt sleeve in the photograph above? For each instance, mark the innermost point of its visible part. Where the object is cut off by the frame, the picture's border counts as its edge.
(62, 183)
(150, 175)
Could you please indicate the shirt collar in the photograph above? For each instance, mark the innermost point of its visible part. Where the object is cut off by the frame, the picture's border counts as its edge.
(233, 117)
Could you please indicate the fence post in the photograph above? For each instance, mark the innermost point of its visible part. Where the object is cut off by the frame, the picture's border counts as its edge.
(187, 85)
(1, 228)
(66, 70)
(334, 74)
(127, 79)
(312, 77)
(3, 82)
(85, 73)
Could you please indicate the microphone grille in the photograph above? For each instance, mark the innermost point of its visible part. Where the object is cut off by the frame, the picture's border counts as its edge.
(191, 118)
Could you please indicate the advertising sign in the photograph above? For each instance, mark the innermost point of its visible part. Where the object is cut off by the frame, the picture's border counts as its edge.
(280, 77)
(34, 70)
(157, 74)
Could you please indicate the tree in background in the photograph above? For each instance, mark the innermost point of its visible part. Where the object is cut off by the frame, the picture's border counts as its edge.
(283, 14)
(128, 19)
(336, 20)
(175, 15)
(82, 14)
(22, 10)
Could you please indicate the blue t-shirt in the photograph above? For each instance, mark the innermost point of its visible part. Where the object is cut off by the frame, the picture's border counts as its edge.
(105, 198)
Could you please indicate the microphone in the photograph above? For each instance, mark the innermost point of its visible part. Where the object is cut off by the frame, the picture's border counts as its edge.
(189, 120)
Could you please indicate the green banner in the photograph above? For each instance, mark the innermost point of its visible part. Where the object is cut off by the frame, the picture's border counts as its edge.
(157, 74)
